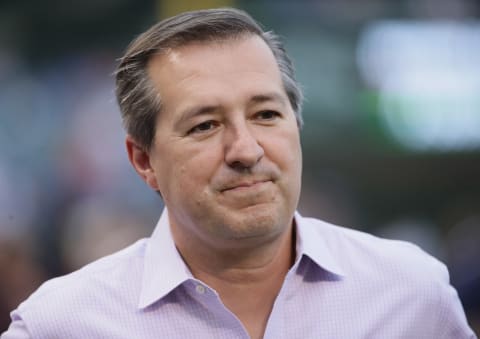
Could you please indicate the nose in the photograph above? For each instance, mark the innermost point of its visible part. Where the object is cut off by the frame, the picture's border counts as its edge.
(242, 149)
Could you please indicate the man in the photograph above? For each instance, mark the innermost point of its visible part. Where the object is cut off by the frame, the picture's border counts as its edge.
(212, 112)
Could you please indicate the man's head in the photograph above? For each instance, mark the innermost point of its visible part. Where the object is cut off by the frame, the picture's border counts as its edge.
(223, 145)
(140, 103)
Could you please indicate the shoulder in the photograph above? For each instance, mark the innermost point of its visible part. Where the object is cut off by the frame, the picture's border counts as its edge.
(107, 284)
(103, 273)
(361, 252)
(395, 276)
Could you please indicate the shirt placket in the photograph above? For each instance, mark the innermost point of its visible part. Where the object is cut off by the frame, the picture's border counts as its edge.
(210, 299)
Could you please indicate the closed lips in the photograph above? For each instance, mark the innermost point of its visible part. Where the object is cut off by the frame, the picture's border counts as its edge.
(245, 184)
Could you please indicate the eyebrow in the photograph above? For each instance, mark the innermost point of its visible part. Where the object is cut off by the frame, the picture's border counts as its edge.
(209, 109)
(271, 96)
(196, 111)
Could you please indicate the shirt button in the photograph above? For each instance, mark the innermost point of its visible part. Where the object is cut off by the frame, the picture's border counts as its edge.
(200, 289)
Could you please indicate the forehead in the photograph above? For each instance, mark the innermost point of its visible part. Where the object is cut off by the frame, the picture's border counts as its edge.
(224, 77)
(242, 56)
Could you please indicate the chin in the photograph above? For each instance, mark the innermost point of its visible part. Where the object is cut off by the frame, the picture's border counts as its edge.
(255, 222)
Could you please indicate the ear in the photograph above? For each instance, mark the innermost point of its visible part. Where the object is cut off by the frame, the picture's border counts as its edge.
(141, 162)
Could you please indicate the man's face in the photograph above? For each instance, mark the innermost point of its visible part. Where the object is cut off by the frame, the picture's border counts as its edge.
(226, 155)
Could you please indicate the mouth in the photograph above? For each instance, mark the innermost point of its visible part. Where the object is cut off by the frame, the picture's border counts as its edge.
(245, 185)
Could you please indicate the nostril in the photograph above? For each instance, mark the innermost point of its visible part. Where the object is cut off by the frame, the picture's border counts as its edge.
(244, 157)
(240, 167)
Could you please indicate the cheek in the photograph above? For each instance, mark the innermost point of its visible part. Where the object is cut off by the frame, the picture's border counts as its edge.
(192, 169)
(286, 151)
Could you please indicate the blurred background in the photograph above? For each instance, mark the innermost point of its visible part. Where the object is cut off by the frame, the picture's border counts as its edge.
(391, 139)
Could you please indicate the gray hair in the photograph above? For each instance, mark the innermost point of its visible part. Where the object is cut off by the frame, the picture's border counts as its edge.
(137, 97)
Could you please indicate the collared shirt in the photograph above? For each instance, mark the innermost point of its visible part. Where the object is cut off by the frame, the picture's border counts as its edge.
(343, 284)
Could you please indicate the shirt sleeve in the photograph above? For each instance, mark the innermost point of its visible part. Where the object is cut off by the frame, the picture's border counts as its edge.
(451, 321)
(16, 330)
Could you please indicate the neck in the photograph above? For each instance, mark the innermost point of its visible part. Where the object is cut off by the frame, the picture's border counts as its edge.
(247, 279)
(253, 262)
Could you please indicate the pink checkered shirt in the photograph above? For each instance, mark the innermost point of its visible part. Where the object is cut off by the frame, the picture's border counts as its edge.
(344, 284)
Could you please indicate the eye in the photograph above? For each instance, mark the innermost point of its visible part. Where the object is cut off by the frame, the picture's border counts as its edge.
(267, 115)
(203, 127)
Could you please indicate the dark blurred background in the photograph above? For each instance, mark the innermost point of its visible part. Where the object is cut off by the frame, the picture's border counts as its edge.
(391, 140)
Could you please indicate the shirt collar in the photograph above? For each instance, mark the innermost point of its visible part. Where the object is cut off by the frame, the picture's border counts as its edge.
(312, 241)
(164, 268)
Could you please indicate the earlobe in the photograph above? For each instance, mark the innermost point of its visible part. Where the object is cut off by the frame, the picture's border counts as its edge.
(141, 162)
